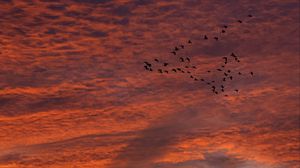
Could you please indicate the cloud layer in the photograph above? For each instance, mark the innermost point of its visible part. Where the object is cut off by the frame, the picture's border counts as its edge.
(74, 93)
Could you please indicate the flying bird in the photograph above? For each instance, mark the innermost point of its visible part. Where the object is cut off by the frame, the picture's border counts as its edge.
(188, 59)
(173, 52)
(219, 69)
(166, 71)
(223, 31)
(182, 46)
(156, 60)
(249, 15)
(176, 48)
(174, 70)
(190, 42)
(240, 21)
(240, 73)
(225, 26)
(194, 67)
(230, 77)
(216, 38)
(236, 90)
(251, 73)
(205, 37)
(181, 59)
(166, 64)
(160, 70)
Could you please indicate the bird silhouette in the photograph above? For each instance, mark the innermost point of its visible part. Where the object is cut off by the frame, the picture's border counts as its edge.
(156, 60)
(188, 59)
(236, 90)
(226, 95)
(182, 46)
(233, 55)
(160, 70)
(181, 59)
(166, 71)
(205, 37)
(188, 72)
(176, 48)
(240, 73)
(231, 77)
(224, 79)
(166, 64)
(228, 71)
(252, 73)
(147, 63)
(223, 31)
(179, 69)
(219, 69)
(250, 15)
(196, 79)
(194, 67)
(202, 79)
(208, 71)
(225, 74)
(174, 70)
(191, 76)
(146, 67)
(225, 26)
(173, 52)
(190, 42)
(240, 21)
(216, 38)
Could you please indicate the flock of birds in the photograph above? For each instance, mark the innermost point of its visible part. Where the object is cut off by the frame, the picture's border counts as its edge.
(217, 86)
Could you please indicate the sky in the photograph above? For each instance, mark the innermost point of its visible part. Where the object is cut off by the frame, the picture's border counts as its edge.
(74, 91)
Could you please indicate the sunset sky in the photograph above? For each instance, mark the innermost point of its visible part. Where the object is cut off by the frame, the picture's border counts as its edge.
(74, 92)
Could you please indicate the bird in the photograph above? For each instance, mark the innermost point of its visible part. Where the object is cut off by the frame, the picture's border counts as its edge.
(230, 77)
(166, 71)
(160, 71)
(228, 71)
(225, 58)
(240, 73)
(165, 64)
(224, 79)
(188, 59)
(202, 79)
(236, 90)
(251, 73)
(188, 72)
(222, 90)
(213, 81)
(150, 69)
(196, 79)
(208, 71)
(223, 65)
(156, 60)
(249, 15)
(182, 71)
(194, 67)
(233, 55)
(146, 67)
(174, 70)
(173, 52)
(225, 26)
(182, 46)
(216, 92)
(240, 21)
(147, 63)
(181, 59)
(190, 42)
(223, 31)
(219, 69)
(205, 37)
(225, 74)
(186, 66)
(222, 86)
(179, 69)
(176, 48)
(191, 76)
(226, 95)
(216, 38)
